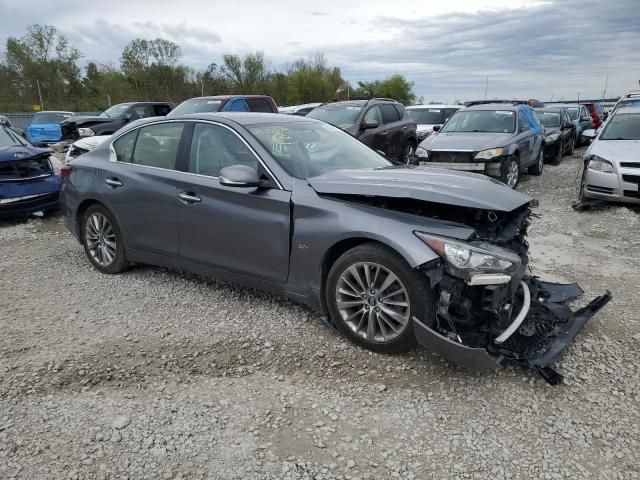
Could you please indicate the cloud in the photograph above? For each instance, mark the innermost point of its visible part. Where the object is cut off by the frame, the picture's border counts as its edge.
(559, 48)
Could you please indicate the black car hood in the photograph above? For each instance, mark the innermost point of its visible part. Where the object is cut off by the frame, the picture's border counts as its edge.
(466, 141)
(428, 184)
(81, 121)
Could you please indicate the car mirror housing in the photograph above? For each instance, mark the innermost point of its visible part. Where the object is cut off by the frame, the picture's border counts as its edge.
(127, 117)
(436, 128)
(367, 124)
(239, 176)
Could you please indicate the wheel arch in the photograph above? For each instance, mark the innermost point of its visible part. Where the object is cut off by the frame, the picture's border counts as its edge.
(82, 208)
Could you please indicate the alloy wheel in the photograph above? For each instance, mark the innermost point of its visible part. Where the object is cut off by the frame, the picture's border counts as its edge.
(513, 174)
(408, 152)
(101, 239)
(373, 302)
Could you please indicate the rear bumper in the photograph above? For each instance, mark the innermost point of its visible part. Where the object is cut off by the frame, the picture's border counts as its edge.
(548, 307)
(27, 205)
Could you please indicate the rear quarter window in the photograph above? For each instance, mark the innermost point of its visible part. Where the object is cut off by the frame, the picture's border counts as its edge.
(261, 105)
(400, 109)
(162, 110)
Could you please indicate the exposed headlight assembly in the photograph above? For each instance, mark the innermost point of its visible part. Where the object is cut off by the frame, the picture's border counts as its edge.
(489, 154)
(86, 132)
(422, 153)
(552, 138)
(481, 264)
(600, 164)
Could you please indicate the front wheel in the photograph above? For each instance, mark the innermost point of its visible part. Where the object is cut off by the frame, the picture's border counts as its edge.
(537, 168)
(510, 171)
(572, 147)
(372, 295)
(102, 240)
(407, 152)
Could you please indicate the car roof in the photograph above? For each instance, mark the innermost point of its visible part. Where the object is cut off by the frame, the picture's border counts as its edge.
(627, 110)
(227, 97)
(438, 105)
(53, 111)
(241, 118)
(495, 106)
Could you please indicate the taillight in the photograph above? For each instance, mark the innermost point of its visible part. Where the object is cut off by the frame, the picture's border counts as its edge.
(65, 171)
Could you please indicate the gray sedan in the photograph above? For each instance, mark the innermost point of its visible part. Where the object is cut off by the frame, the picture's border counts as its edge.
(387, 254)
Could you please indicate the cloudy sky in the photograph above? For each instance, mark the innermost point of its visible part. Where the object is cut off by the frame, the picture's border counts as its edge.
(448, 48)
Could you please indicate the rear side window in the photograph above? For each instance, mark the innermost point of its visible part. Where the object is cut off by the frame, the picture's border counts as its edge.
(124, 146)
(400, 109)
(161, 110)
(389, 113)
(214, 148)
(157, 145)
(259, 105)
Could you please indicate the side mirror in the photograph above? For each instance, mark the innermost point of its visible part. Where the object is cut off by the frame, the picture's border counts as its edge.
(366, 125)
(239, 176)
(591, 133)
(436, 128)
(127, 117)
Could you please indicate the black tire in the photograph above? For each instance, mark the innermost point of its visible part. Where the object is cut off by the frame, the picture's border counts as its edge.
(407, 151)
(558, 158)
(119, 262)
(506, 167)
(572, 147)
(537, 168)
(421, 298)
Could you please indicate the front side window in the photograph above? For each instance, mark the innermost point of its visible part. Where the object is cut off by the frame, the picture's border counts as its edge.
(389, 113)
(623, 126)
(123, 146)
(214, 147)
(157, 145)
(374, 115)
(305, 150)
(161, 110)
(49, 117)
(481, 121)
(115, 111)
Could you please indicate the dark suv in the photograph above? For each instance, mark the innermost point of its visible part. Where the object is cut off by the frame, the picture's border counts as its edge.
(226, 103)
(112, 119)
(381, 123)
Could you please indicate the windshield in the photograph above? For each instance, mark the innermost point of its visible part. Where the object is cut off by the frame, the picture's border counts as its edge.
(305, 149)
(573, 113)
(196, 105)
(342, 116)
(115, 111)
(549, 119)
(489, 121)
(49, 117)
(623, 126)
(429, 116)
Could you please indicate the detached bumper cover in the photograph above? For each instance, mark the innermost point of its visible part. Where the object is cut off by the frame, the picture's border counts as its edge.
(548, 307)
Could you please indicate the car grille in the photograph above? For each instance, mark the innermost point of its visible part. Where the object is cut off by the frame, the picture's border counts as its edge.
(632, 179)
(630, 164)
(25, 169)
(75, 151)
(596, 189)
(451, 157)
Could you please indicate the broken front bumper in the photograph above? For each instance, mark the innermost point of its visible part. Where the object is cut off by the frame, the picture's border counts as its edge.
(549, 306)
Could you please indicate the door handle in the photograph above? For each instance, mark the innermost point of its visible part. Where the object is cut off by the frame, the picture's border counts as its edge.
(189, 197)
(386, 132)
(113, 182)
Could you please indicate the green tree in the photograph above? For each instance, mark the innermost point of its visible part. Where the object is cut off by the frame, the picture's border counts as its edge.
(396, 87)
(248, 75)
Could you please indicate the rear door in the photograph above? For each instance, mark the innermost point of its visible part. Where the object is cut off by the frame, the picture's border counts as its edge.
(525, 140)
(237, 229)
(377, 138)
(396, 130)
(139, 186)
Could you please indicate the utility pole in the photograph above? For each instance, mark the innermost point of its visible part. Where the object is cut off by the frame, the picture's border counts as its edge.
(486, 87)
(39, 94)
(109, 100)
(606, 82)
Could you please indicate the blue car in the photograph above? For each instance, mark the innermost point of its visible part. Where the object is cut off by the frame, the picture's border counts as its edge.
(45, 127)
(29, 176)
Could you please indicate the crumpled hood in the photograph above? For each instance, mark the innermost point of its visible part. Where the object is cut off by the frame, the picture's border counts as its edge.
(81, 121)
(465, 141)
(615, 150)
(19, 152)
(428, 184)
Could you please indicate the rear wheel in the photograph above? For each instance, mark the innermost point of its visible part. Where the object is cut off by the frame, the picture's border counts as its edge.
(372, 295)
(102, 240)
(537, 168)
(572, 147)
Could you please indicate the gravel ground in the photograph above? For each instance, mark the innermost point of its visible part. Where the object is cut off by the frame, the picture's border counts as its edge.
(160, 374)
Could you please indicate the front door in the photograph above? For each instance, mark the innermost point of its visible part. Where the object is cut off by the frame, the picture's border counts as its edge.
(525, 141)
(139, 186)
(241, 230)
(377, 138)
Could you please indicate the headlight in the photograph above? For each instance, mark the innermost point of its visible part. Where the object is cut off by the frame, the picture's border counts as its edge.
(600, 164)
(86, 132)
(422, 153)
(488, 154)
(466, 260)
(552, 138)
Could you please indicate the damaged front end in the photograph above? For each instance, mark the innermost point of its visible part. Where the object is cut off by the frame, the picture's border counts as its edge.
(489, 311)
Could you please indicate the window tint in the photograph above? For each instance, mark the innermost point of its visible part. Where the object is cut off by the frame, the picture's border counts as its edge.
(389, 113)
(374, 114)
(259, 105)
(157, 145)
(400, 109)
(214, 148)
(141, 111)
(124, 146)
(161, 110)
